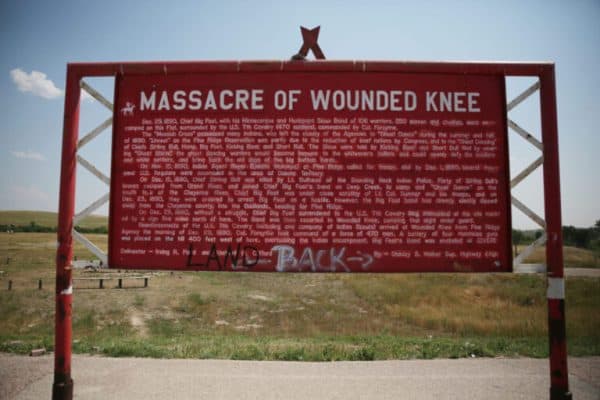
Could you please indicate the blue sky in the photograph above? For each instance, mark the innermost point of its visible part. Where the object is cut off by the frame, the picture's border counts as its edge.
(44, 36)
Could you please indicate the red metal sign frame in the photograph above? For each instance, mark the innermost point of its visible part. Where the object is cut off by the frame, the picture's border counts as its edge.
(63, 383)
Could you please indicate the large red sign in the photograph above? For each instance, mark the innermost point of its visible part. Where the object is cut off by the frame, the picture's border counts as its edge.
(310, 172)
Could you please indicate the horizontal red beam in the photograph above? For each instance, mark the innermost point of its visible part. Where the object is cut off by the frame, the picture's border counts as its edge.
(182, 67)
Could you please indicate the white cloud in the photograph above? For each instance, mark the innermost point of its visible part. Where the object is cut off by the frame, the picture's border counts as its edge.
(29, 155)
(23, 197)
(29, 193)
(36, 82)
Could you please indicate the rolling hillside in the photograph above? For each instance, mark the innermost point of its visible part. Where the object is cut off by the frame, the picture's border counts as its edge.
(46, 218)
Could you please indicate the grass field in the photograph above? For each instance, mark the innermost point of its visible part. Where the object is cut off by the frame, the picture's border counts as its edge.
(573, 257)
(46, 218)
(289, 316)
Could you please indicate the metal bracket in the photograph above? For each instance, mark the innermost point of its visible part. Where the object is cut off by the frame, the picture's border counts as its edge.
(91, 208)
(95, 250)
(529, 212)
(526, 135)
(531, 248)
(518, 260)
(96, 95)
(527, 171)
(520, 98)
(90, 167)
(95, 171)
(93, 133)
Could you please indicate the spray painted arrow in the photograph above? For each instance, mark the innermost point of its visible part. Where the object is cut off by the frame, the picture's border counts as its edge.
(365, 259)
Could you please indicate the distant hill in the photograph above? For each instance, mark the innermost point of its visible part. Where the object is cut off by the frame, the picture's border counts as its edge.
(46, 218)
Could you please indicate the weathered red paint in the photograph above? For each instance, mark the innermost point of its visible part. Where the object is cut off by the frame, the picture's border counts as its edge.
(545, 71)
(559, 374)
(63, 384)
(179, 67)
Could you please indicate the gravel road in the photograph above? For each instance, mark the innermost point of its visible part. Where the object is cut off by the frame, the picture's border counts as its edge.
(24, 377)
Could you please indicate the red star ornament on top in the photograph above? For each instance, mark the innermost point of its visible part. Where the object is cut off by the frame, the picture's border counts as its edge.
(309, 38)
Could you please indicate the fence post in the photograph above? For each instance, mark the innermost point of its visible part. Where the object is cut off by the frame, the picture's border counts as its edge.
(62, 388)
(559, 374)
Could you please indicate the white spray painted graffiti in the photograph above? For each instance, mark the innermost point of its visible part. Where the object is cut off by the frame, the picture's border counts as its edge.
(317, 262)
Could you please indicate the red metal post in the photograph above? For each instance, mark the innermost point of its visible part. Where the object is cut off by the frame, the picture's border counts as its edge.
(62, 388)
(183, 67)
(559, 377)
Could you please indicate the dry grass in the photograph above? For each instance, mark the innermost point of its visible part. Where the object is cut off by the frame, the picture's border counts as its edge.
(292, 316)
(574, 257)
(511, 306)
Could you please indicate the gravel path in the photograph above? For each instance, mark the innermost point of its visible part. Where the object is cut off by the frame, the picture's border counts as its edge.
(588, 272)
(24, 377)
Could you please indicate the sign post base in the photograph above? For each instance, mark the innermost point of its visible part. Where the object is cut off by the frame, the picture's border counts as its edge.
(560, 394)
(62, 390)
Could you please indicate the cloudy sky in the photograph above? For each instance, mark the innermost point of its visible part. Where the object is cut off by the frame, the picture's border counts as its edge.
(37, 39)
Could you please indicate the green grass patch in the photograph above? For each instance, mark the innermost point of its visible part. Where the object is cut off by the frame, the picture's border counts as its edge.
(315, 349)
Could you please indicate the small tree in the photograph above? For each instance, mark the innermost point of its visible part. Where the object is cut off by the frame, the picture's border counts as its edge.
(517, 238)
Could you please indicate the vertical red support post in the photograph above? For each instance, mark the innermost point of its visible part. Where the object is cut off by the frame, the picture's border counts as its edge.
(62, 389)
(559, 374)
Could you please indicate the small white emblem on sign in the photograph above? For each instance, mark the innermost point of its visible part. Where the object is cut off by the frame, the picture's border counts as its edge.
(128, 109)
